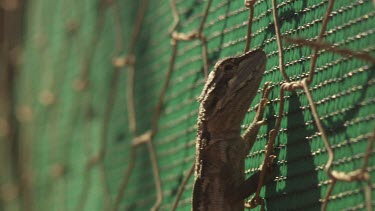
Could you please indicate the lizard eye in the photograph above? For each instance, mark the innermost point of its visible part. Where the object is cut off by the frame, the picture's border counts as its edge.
(228, 67)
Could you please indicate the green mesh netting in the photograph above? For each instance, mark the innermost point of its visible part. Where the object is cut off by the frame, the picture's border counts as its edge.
(67, 80)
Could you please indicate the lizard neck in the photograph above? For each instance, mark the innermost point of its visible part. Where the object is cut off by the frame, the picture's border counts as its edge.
(211, 132)
(223, 135)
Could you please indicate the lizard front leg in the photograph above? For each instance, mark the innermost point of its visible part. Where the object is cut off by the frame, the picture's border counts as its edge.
(251, 185)
(251, 132)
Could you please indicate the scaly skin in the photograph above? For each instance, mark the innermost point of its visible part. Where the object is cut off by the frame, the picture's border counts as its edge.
(220, 149)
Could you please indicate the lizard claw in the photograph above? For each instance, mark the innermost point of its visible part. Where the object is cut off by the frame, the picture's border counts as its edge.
(254, 202)
(269, 162)
(260, 123)
(256, 107)
(266, 89)
(249, 3)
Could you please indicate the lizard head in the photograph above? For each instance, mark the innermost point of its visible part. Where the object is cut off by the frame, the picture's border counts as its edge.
(230, 90)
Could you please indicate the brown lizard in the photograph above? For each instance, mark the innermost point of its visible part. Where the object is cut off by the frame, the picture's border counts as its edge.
(220, 149)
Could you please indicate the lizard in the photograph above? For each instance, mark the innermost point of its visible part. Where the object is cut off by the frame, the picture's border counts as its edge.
(220, 149)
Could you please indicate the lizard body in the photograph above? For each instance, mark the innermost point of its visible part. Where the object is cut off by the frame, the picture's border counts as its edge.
(220, 149)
